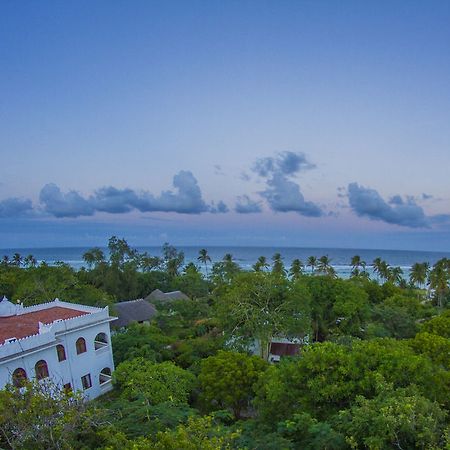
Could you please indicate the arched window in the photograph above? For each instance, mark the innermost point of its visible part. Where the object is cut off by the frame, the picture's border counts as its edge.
(100, 341)
(61, 351)
(41, 369)
(105, 375)
(81, 345)
(18, 377)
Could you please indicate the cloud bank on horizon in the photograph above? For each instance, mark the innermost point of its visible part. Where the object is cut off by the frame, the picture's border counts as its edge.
(281, 193)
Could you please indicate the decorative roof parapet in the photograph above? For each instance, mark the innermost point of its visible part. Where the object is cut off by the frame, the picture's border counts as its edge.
(58, 302)
(27, 343)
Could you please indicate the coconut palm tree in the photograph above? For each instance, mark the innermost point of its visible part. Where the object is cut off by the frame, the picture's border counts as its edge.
(324, 264)
(381, 268)
(17, 260)
(296, 269)
(439, 279)
(358, 266)
(5, 260)
(204, 258)
(261, 264)
(418, 274)
(278, 266)
(395, 275)
(312, 262)
(30, 261)
(93, 257)
(228, 258)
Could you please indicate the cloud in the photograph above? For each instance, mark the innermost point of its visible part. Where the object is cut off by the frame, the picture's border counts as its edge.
(245, 205)
(366, 202)
(221, 208)
(284, 195)
(15, 207)
(281, 193)
(186, 198)
(287, 163)
(58, 204)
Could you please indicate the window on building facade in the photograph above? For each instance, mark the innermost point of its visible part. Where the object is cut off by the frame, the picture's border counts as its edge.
(18, 377)
(41, 369)
(86, 381)
(61, 352)
(101, 340)
(81, 345)
(105, 375)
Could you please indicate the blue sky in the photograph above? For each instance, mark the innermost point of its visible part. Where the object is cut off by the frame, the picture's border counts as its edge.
(299, 123)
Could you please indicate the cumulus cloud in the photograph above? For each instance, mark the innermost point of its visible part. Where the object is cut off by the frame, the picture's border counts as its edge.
(366, 202)
(281, 193)
(186, 198)
(15, 207)
(284, 195)
(245, 205)
(221, 208)
(58, 204)
(287, 163)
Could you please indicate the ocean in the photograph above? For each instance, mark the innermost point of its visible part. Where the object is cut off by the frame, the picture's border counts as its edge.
(247, 256)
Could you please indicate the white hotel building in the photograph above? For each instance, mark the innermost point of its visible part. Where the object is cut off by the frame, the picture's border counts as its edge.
(66, 342)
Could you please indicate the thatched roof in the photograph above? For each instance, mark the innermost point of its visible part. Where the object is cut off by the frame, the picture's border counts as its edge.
(165, 297)
(133, 311)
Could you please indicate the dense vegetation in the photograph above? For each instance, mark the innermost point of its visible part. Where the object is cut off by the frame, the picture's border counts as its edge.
(373, 371)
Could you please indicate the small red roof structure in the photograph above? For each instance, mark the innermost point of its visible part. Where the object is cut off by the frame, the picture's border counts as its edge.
(284, 349)
(23, 325)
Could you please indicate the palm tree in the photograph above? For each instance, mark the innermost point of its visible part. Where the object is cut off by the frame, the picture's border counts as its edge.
(312, 262)
(395, 275)
(381, 268)
(30, 261)
(204, 258)
(228, 258)
(5, 260)
(296, 269)
(261, 264)
(17, 260)
(93, 257)
(357, 264)
(418, 274)
(278, 266)
(439, 279)
(324, 264)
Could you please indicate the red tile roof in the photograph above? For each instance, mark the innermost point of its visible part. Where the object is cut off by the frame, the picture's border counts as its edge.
(27, 324)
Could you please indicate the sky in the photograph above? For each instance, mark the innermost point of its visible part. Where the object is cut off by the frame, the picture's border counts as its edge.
(293, 123)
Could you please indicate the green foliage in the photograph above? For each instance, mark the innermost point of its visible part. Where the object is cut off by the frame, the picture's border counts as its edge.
(41, 413)
(190, 352)
(198, 434)
(261, 305)
(329, 376)
(338, 307)
(393, 419)
(184, 318)
(45, 283)
(398, 317)
(192, 284)
(141, 340)
(436, 347)
(439, 325)
(157, 383)
(138, 417)
(309, 434)
(227, 380)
